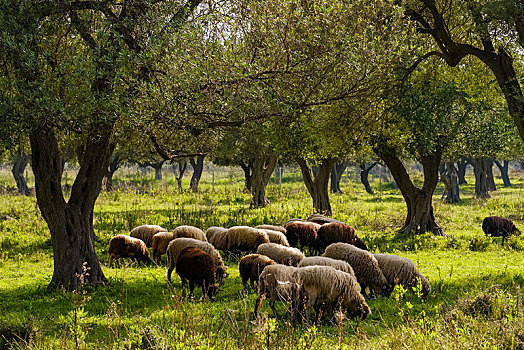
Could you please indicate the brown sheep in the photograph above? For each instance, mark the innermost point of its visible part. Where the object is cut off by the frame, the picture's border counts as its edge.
(496, 226)
(123, 246)
(336, 232)
(160, 242)
(251, 266)
(302, 233)
(197, 267)
(146, 233)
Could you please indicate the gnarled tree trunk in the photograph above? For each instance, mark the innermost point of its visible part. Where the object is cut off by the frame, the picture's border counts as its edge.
(317, 185)
(248, 173)
(71, 223)
(336, 176)
(480, 168)
(364, 175)
(504, 170)
(18, 169)
(182, 166)
(451, 188)
(114, 165)
(198, 167)
(420, 218)
(490, 177)
(263, 167)
(462, 165)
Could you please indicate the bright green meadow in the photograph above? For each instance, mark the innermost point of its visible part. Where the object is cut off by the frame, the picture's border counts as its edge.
(475, 302)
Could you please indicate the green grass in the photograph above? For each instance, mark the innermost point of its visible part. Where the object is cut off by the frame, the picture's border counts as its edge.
(476, 282)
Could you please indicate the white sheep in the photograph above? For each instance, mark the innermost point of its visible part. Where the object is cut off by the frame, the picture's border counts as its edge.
(186, 231)
(276, 237)
(217, 236)
(282, 255)
(325, 261)
(364, 264)
(338, 290)
(160, 242)
(398, 270)
(175, 247)
(278, 283)
(245, 238)
(272, 227)
(146, 233)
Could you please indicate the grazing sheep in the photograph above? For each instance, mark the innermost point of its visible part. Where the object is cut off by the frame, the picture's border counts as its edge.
(325, 285)
(290, 221)
(335, 232)
(278, 282)
(302, 233)
(364, 264)
(160, 242)
(276, 237)
(211, 231)
(217, 236)
(402, 271)
(324, 261)
(197, 267)
(245, 238)
(251, 266)
(123, 246)
(146, 233)
(175, 247)
(321, 219)
(279, 253)
(272, 227)
(496, 226)
(185, 231)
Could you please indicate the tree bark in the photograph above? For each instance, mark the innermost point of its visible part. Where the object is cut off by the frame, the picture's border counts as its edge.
(364, 175)
(248, 173)
(182, 166)
(480, 168)
(420, 218)
(462, 165)
(317, 186)
(263, 167)
(114, 165)
(490, 178)
(198, 167)
(71, 223)
(451, 188)
(336, 176)
(18, 169)
(504, 170)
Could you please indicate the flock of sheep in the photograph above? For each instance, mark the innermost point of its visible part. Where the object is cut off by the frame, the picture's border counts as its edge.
(336, 282)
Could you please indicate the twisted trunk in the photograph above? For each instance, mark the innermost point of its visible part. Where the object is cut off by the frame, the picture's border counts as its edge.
(18, 171)
(248, 173)
(263, 167)
(504, 169)
(480, 168)
(364, 175)
(71, 223)
(317, 185)
(451, 188)
(198, 167)
(420, 218)
(114, 165)
(336, 176)
(182, 166)
(462, 165)
(490, 177)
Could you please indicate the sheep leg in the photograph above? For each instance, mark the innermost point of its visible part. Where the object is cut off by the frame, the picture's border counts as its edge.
(169, 271)
(183, 286)
(311, 301)
(272, 305)
(257, 303)
(111, 258)
(253, 284)
(191, 287)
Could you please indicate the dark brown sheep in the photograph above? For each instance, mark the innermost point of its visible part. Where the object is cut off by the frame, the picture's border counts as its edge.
(335, 232)
(123, 246)
(197, 266)
(496, 226)
(251, 266)
(302, 233)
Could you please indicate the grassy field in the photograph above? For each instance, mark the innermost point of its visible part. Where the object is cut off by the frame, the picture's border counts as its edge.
(475, 303)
